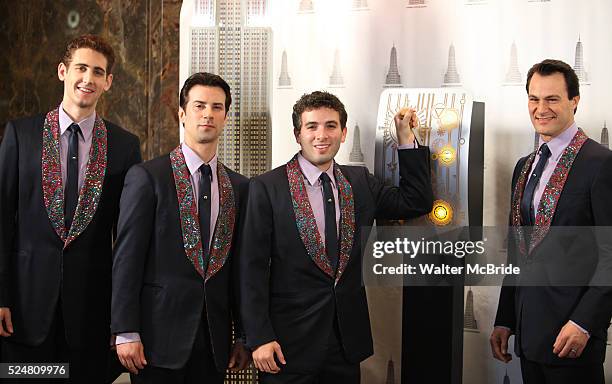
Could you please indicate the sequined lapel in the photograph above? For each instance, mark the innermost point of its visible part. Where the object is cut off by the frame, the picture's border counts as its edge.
(190, 224)
(91, 191)
(307, 225)
(550, 196)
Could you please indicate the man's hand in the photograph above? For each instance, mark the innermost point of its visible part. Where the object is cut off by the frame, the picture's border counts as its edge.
(499, 344)
(131, 355)
(239, 358)
(263, 357)
(6, 324)
(405, 120)
(570, 341)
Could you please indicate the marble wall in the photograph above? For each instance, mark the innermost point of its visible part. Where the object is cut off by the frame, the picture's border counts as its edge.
(145, 36)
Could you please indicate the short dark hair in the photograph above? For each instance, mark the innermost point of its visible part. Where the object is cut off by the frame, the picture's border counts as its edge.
(549, 67)
(94, 42)
(316, 100)
(208, 80)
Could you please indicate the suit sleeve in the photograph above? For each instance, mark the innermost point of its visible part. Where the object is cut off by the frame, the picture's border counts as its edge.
(254, 261)
(134, 157)
(236, 277)
(135, 228)
(594, 310)
(506, 313)
(9, 181)
(414, 196)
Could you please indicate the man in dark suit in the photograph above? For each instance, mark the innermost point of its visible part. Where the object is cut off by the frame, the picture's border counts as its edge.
(560, 326)
(174, 281)
(304, 306)
(61, 176)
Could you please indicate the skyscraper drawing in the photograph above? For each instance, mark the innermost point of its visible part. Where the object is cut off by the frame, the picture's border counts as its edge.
(469, 320)
(336, 79)
(284, 81)
(513, 76)
(360, 4)
(239, 51)
(451, 77)
(390, 372)
(506, 378)
(356, 156)
(416, 4)
(306, 6)
(604, 136)
(203, 42)
(579, 64)
(393, 77)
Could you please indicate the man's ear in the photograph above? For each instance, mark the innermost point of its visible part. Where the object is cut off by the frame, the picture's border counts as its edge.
(109, 81)
(61, 71)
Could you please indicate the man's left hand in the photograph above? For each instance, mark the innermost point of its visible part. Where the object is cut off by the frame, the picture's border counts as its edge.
(405, 120)
(239, 358)
(570, 342)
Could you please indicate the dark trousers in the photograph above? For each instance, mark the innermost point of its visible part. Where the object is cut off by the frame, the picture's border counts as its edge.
(88, 365)
(336, 369)
(200, 367)
(536, 373)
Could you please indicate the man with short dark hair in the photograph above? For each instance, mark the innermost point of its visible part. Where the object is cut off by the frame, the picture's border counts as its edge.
(61, 176)
(174, 282)
(560, 328)
(304, 306)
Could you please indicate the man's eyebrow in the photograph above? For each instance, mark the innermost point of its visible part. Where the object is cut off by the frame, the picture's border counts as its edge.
(87, 65)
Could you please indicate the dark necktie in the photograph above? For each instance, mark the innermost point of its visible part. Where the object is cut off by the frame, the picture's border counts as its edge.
(331, 233)
(71, 189)
(204, 202)
(527, 209)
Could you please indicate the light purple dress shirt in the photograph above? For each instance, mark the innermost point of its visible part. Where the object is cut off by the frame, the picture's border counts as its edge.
(193, 161)
(87, 126)
(556, 145)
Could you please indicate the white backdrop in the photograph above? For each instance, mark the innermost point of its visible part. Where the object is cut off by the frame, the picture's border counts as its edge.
(482, 33)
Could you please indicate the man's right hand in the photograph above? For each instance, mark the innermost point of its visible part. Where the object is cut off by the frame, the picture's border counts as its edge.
(263, 357)
(499, 344)
(131, 355)
(6, 324)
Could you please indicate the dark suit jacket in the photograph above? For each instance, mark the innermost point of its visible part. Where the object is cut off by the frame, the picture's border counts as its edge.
(536, 314)
(35, 270)
(285, 296)
(156, 289)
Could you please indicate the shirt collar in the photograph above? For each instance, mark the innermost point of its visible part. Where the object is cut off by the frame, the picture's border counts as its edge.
(193, 161)
(86, 125)
(558, 143)
(312, 172)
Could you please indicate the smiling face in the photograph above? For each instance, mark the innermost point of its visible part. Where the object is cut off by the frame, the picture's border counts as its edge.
(204, 115)
(320, 136)
(85, 79)
(550, 108)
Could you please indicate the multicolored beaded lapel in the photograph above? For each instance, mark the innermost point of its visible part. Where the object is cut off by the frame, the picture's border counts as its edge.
(307, 225)
(89, 195)
(550, 196)
(190, 224)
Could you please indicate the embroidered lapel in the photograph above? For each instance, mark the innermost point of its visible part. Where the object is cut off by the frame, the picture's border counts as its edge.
(307, 225)
(550, 196)
(190, 224)
(91, 191)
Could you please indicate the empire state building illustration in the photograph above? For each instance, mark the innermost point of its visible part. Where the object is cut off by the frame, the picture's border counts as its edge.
(393, 78)
(235, 42)
(579, 64)
(451, 77)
